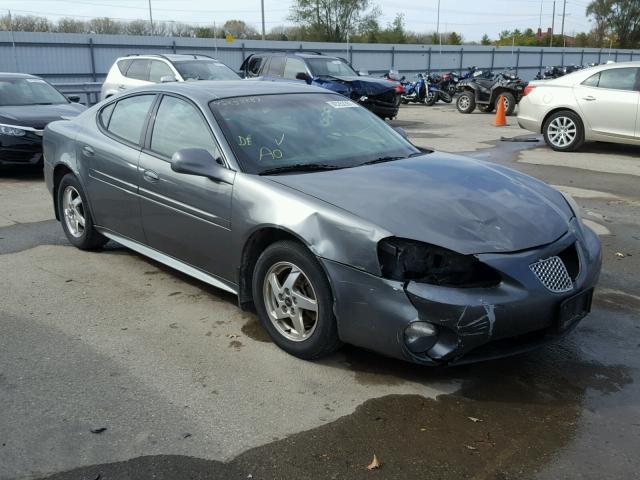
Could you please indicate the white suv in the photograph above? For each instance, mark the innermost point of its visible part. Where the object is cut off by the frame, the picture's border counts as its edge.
(137, 70)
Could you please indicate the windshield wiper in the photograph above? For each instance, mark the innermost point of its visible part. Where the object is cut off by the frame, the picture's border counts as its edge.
(390, 158)
(300, 167)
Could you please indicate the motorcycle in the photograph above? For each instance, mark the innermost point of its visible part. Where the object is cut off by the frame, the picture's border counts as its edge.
(415, 92)
(450, 82)
(435, 91)
(484, 93)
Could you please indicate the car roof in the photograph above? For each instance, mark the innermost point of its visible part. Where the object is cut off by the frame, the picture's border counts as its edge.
(172, 57)
(207, 90)
(296, 54)
(582, 74)
(16, 75)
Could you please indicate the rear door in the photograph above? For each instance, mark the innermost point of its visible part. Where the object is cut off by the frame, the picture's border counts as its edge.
(185, 216)
(609, 102)
(112, 160)
(137, 74)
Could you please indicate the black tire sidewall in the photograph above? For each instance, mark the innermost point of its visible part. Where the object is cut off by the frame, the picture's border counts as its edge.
(472, 102)
(511, 99)
(324, 339)
(577, 142)
(90, 239)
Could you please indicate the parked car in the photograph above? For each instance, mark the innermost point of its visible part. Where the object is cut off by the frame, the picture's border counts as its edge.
(138, 70)
(600, 103)
(379, 95)
(325, 220)
(27, 104)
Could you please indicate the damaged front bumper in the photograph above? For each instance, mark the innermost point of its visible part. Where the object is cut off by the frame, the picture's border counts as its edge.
(472, 324)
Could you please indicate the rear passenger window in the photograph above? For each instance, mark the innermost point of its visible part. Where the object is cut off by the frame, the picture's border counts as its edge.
(158, 70)
(123, 66)
(293, 67)
(139, 70)
(592, 81)
(276, 67)
(180, 125)
(105, 115)
(129, 116)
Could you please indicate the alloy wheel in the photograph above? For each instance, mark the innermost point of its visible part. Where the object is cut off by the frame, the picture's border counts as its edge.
(562, 132)
(463, 102)
(290, 301)
(74, 213)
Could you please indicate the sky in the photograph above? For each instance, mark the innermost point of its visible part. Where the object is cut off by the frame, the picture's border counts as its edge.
(472, 18)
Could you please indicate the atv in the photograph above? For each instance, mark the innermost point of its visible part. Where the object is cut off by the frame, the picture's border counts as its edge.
(485, 92)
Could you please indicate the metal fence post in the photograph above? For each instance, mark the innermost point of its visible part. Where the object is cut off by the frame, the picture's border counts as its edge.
(461, 55)
(173, 46)
(517, 60)
(582, 57)
(493, 57)
(393, 56)
(242, 50)
(351, 54)
(600, 56)
(93, 60)
(429, 61)
(616, 58)
(562, 58)
(541, 59)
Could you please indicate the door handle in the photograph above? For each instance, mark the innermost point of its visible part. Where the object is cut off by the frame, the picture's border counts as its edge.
(150, 176)
(589, 98)
(87, 151)
(121, 87)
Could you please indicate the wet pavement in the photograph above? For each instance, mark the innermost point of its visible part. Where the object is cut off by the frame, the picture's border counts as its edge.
(188, 386)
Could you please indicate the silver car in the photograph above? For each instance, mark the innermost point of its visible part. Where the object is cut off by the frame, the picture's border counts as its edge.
(324, 220)
(139, 70)
(595, 104)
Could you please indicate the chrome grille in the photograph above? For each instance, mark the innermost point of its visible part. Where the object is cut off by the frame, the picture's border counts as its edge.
(553, 274)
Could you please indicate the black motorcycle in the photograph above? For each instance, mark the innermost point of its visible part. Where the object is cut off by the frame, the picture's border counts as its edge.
(414, 92)
(436, 90)
(484, 93)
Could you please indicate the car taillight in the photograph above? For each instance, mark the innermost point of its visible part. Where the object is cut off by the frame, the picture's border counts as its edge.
(528, 89)
(399, 89)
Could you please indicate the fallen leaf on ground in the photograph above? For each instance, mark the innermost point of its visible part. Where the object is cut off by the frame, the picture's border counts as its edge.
(98, 430)
(375, 463)
(620, 255)
(470, 447)
(474, 419)
(231, 335)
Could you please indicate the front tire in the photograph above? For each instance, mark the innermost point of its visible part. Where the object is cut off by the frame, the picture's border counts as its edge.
(75, 215)
(563, 131)
(466, 102)
(509, 103)
(431, 99)
(294, 302)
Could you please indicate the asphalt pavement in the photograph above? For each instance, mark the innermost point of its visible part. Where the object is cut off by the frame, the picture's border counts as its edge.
(113, 366)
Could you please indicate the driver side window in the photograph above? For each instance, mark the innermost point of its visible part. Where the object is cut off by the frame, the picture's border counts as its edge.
(293, 67)
(180, 125)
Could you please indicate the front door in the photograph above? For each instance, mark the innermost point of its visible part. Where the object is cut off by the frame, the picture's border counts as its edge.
(609, 101)
(185, 216)
(112, 160)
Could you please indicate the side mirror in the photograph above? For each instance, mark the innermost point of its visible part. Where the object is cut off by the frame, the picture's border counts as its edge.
(167, 79)
(198, 161)
(303, 76)
(74, 98)
(402, 132)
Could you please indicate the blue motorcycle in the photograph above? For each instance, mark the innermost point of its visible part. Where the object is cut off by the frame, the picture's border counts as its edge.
(435, 92)
(414, 92)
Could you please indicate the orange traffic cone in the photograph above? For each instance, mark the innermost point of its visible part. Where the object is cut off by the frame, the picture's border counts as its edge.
(501, 117)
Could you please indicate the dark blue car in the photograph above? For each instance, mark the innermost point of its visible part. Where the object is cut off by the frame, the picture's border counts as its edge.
(379, 95)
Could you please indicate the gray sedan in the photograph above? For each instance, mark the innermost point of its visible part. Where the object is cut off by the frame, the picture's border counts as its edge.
(324, 220)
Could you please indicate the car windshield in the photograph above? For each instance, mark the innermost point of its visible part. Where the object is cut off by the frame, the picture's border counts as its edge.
(330, 66)
(303, 131)
(28, 91)
(205, 70)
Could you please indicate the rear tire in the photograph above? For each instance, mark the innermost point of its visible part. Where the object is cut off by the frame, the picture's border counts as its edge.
(510, 103)
(294, 302)
(563, 131)
(431, 99)
(466, 102)
(445, 97)
(75, 215)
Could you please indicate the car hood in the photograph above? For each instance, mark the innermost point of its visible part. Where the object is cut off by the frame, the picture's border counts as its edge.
(38, 116)
(360, 85)
(466, 205)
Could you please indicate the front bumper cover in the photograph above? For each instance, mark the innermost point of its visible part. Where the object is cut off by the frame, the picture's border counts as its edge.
(25, 150)
(475, 323)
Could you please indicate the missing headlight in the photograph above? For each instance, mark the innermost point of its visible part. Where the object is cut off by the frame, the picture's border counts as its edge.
(402, 259)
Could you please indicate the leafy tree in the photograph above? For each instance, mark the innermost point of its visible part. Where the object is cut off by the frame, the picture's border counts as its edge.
(485, 40)
(454, 39)
(140, 27)
(239, 29)
(105, 25)
(624, 20)
(395, 32)
(331, 20)
(70, 25)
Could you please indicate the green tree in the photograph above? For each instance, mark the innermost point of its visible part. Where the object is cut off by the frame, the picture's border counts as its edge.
(599, 10)
(395, 32)
(331, 20)
(70, 25)
(239, 29)
(454, 39)
(485, 40)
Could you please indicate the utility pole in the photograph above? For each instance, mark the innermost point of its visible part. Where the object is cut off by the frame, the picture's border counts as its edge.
(540, 20)
(438, 24)
(262, 5)
(564, 9)
(150, 17)
(553, 23)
